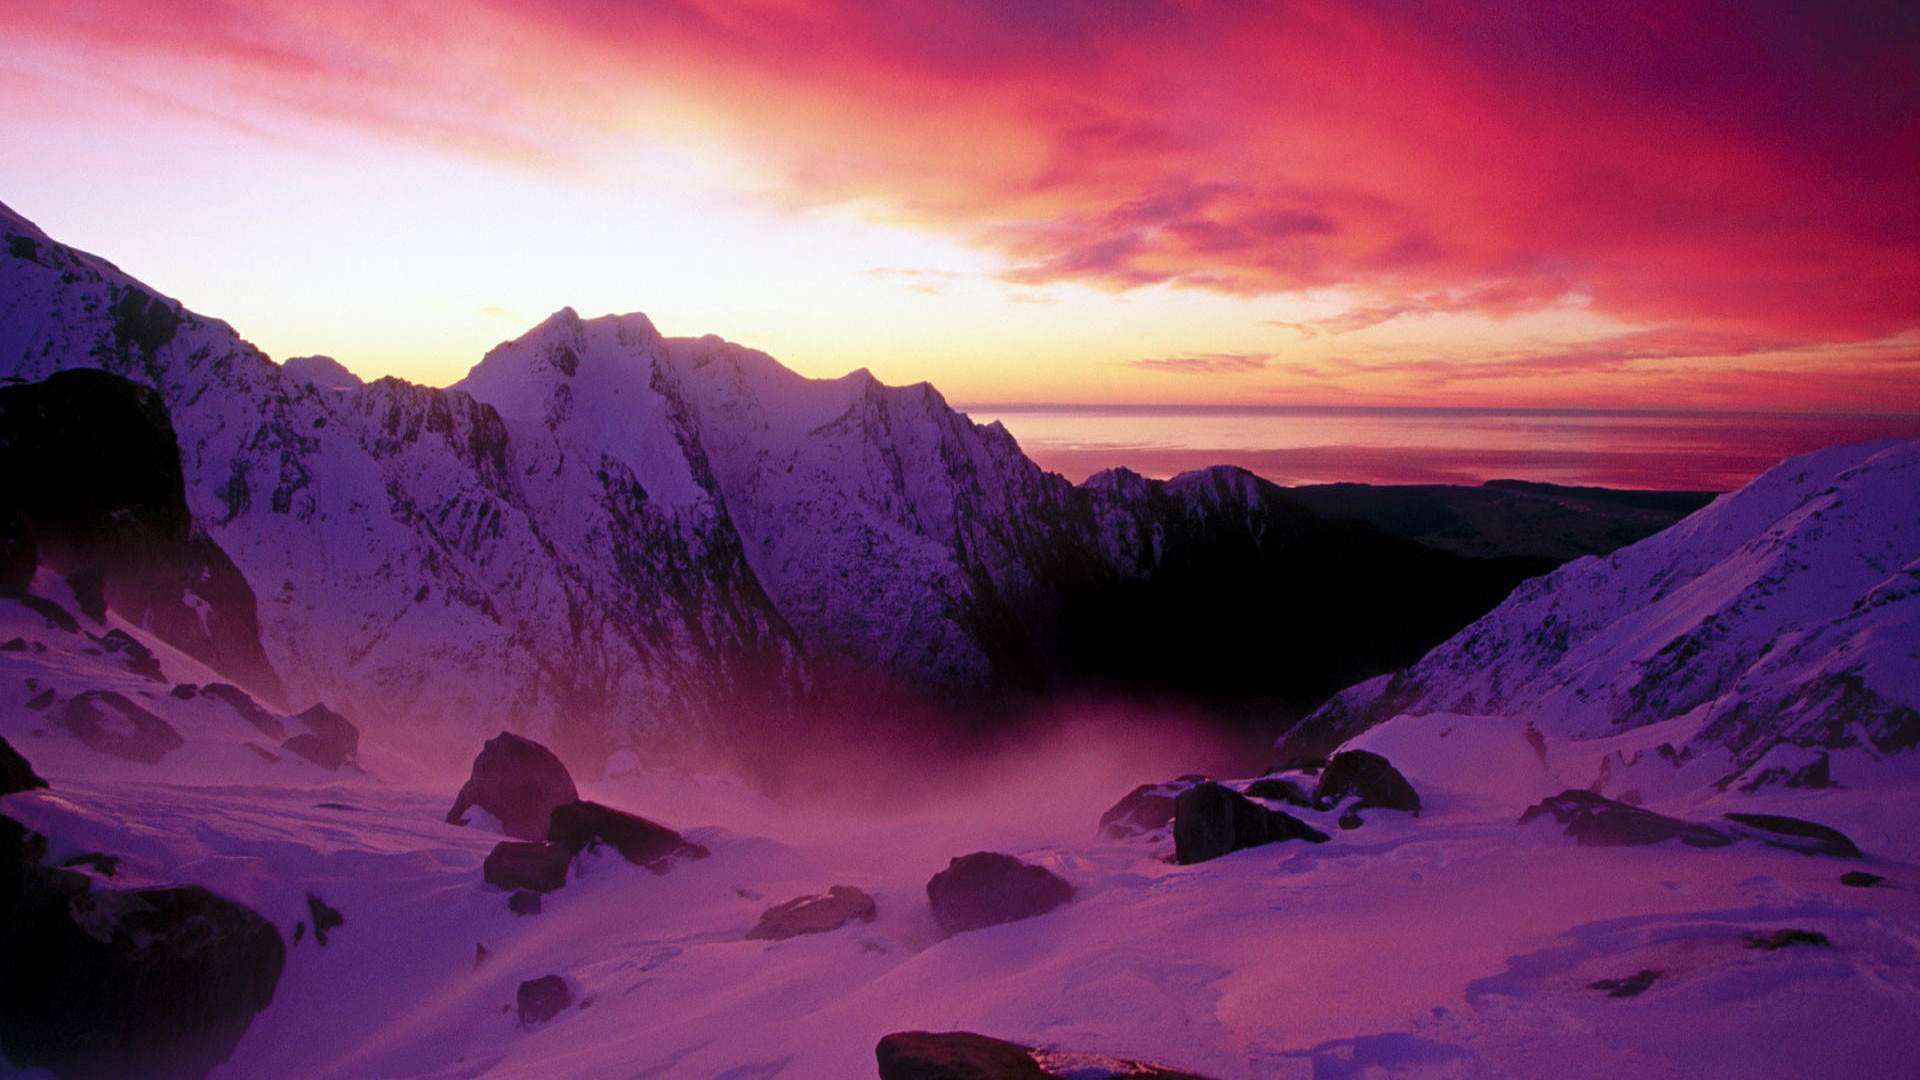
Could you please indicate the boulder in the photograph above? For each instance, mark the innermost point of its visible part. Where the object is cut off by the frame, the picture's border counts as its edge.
(987, 888)
(110, 723)
(964, 1055)
(542, 999)
(1596, 821)
(330, 740)
(517, 781)
(1146, 809)
(814, 914)
(242, 703)
(139, 659)
(1860, 879)
(1210, 820)
(1782, 938)
(1631, 986)
(579, 825)
(152, 982)
(326, 918)
(1794, 834)
(1278, 789)
(15, 773)
(513, 864)
(1367, 775)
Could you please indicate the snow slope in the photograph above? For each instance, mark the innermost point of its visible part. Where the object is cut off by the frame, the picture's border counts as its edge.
(1774, 632)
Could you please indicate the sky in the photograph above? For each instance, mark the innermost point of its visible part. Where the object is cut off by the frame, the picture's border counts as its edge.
(1705, 205)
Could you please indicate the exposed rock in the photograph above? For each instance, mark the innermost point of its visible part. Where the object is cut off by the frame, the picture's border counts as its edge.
(1147, 808)
(987, 888)
(17, 644)
(330, 740)
(110, 723)
(1597, 821)
(814, 914)
(580, 824)
(140, 659)
(15, 773)
(57, 617)
(963, 1055)
(104, 865)
(111, 983)
(1351, 821)
(185, 691)
(42, 699)
(1279, 789)
(325, 918)
(542, 999)
(250, 710)
(1794, 834)
(518, 781)
(524, 902)
(1368, 775)
(1210, 820)
(513, 864)
(1632, 986)
(1780, 939)
(1860, 879)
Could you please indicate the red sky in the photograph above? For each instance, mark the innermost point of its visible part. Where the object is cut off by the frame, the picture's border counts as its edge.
(1536, 203)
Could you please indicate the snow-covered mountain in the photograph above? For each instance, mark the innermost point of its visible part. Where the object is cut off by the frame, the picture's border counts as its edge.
(1773, 636)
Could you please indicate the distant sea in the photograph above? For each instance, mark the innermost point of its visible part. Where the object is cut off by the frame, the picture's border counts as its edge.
(1672, 451)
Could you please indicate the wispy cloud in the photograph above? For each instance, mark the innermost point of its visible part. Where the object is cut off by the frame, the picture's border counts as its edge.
(1205, 363)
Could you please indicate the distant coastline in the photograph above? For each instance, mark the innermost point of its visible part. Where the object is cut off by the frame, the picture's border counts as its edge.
(1665, 450)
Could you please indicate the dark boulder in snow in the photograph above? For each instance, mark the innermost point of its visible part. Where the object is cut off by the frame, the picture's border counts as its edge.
(542, 999)
(326, 918)
(1597, 821)
(1860, 879)
(987, 888)
(15, 773)
(518, 781)
(330, 740)
(1278, 789)
(1210, 820)
(580, 824)
(1782, 938)
(964, 1055)
(250, 710)
(1147, 808)
(513, 864)
(1368, 775)
(814, 914)
(117, 983)
(1795, 834)
(139, 659)
(1631, 986)
(110, 723)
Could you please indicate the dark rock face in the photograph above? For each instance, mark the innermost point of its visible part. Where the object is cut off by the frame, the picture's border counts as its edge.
(516, 865)
(580, 824)
(1860, 879)
(963, 1055)
(542, 999)
(1780, 939)
(99, 492)
(988, 888)
(1368, 775)
(1597, 821)
(325, 918)
(330, 740)
(1210, 820)
(1279, 789)
(814, 914)
(139, 659)
(1147, 808)
(113, 725)
(1632, 986)
(15, 773)
(524, 902)
(241, 702)
(110, 983)
(518, 781)
(1794, 834)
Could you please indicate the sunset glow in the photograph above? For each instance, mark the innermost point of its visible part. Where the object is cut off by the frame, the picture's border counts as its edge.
(1497, 204)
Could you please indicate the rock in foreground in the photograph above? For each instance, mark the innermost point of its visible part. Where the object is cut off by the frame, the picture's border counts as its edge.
(518, 781)
(15, 773)
(987, 888)
(814, 914)
(1368, 775)
(581, 824)
(1210, 820)
(1597, 821)
(112, 724)
(963, 1055)
(513, 864)
(1795, 834)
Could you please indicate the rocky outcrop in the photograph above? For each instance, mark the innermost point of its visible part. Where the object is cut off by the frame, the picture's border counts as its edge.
(114, 725)
(988, 888)
(1795, 834)
(515, 864)
(330, 740)
(814, 914)
(15, 773)
(248, 709)
(105, 983)
(1595, 821)
(1367, 775)
(1146, 809)
(1211, 820)
(964, 1055)
(540, 1000)
(580, 825)
(519, 782)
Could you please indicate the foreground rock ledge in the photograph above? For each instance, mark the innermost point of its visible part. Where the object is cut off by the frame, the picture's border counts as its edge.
(518, 781)
(963, 1055)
